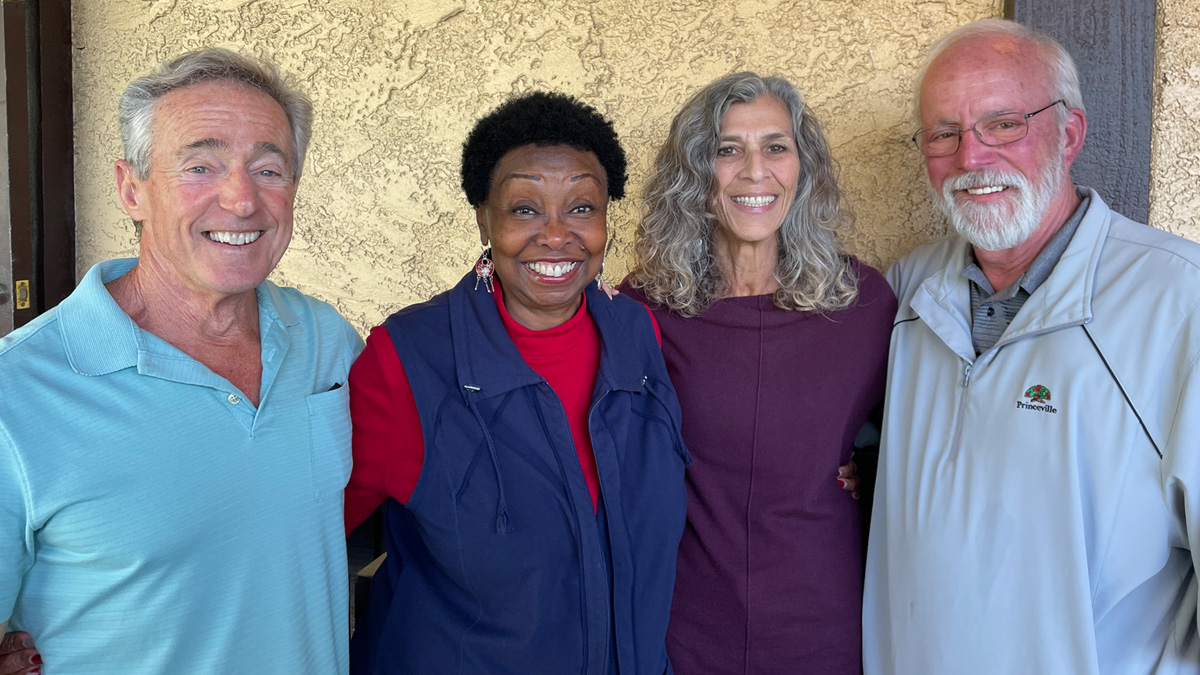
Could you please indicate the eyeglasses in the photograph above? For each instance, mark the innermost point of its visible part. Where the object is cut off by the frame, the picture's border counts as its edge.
(994, 130)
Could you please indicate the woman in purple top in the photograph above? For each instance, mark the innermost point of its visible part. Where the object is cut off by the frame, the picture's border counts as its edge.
(777, 342)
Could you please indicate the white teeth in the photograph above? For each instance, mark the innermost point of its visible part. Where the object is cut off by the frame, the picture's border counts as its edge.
(552, 269)
(754, 201)
(234, 238)
(986, 190)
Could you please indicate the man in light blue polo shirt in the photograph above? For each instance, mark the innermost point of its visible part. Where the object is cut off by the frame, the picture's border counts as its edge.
(175, 436)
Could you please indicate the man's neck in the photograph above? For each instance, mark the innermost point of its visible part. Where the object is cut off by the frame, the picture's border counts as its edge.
(160, 305)
(1004, 267)
(219, 332)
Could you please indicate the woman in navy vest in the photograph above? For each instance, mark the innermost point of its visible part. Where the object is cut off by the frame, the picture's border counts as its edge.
(765, 318)
(522, 432)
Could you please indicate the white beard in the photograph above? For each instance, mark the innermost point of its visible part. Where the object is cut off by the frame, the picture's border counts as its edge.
(1006, 224)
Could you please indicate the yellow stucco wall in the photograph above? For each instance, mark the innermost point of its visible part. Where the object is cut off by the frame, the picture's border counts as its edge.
(1175, 135)
(380, 219)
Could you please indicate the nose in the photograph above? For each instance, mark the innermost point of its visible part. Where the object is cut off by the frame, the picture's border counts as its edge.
(555, 233)
(973, 152)
(754, 166)
(239, 194)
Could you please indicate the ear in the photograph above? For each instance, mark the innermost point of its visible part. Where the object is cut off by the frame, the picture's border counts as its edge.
(1074, 134)
(131, 191)
(481, 219)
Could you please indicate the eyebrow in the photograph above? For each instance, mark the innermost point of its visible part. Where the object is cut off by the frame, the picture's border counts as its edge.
(769, 137)
(260, 148)
(526, 176)
(267, 147)
(529, 176)
(984, 116)
(204, 144)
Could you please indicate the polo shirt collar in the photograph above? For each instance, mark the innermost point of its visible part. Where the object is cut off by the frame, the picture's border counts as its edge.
(100, 338)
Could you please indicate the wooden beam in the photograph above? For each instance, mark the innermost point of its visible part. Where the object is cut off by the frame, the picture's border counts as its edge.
(1112, 42)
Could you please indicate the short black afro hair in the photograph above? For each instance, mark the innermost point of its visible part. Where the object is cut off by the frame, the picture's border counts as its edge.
(539, 118)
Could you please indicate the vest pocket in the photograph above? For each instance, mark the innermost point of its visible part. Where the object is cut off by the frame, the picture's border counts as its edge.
(329, 441)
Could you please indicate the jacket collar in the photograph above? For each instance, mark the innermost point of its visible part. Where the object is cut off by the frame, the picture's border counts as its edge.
(487, 360)
(1065, 298)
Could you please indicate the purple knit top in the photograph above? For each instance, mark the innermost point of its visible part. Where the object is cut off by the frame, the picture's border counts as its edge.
(770, 569)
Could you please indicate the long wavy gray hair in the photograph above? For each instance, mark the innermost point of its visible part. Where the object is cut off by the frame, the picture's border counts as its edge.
(674, 257)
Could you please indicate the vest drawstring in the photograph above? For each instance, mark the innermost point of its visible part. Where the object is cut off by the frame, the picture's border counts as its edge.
(503, 524)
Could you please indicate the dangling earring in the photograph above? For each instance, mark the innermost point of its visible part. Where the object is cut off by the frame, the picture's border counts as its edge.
(484, 270)
(600, 277)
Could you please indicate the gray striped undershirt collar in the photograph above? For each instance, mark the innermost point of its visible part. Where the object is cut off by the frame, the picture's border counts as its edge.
(991, 311)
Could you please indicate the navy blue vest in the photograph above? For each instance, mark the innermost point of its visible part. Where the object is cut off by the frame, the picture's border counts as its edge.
(498, 564)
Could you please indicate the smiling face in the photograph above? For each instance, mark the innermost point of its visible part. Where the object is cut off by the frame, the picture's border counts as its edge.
(757, 170)
(998, 196)
(545, 221)
(216, 208)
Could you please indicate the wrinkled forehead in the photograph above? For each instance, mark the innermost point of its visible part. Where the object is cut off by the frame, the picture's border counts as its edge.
(984, 75)
(226, 107)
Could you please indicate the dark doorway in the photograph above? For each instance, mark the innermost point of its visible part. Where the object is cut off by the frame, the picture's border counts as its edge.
(37, 179)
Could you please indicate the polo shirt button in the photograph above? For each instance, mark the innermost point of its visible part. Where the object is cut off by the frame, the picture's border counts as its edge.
(991, 311)
(234, 400)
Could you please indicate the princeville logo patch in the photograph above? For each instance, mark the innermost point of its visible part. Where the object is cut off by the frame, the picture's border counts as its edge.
(1037, 393)
(1039, 400)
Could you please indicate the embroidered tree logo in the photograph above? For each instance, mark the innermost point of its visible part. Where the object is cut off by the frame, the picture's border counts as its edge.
(1037, 393)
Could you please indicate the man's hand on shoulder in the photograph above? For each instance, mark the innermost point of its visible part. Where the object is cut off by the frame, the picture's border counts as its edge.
(18, 656)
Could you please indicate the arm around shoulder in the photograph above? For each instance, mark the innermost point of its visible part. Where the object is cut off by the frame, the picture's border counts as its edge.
(18, 655)
(388, 443)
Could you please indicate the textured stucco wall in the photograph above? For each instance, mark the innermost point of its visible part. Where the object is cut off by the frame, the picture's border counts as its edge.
(381, 221)
(1175, 137)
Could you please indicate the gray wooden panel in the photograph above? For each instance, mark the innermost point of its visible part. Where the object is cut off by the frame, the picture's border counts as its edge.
(1112, 42)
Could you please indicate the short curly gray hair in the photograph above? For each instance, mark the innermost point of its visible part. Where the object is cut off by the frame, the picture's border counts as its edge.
(135, 116)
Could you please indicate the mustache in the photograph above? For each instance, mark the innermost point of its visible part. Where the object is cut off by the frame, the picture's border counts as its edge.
(982, 178)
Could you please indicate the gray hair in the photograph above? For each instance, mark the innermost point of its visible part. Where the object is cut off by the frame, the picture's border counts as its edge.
(1064, 76)
(675, 263)
(135, 115)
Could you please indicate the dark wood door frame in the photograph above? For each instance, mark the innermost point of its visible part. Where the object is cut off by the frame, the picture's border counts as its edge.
(41, 155)
(1112, 42)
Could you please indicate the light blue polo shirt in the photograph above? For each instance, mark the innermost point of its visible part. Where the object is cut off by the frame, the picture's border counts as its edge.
(152, 520)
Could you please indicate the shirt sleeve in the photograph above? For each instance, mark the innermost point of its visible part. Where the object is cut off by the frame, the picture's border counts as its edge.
(389, 447)
(353, 339)
(16, 535)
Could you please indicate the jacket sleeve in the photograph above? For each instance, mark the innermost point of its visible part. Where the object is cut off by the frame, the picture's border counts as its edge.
(1181, 459)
